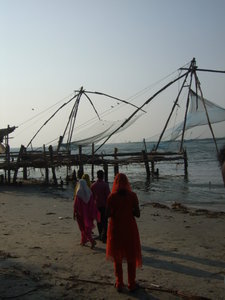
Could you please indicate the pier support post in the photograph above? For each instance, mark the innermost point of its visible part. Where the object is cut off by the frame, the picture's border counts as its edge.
(52, 163)
(105, 168)
(185, 163)
(81, 167)
(7, 157)
(22, 150)
(54, 176)
(46, 166)
(46, 176)
(24, 168)
(8, 163)
(25, 173)
(145, 157)
(116, 166)
(153, 166)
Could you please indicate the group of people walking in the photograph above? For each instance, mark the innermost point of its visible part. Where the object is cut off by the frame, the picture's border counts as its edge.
(115, 214)
(90, 205)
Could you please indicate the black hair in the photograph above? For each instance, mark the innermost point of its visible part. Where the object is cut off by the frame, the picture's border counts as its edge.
(100, 174)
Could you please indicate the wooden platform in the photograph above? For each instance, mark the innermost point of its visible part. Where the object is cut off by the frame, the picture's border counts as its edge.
(12, 162)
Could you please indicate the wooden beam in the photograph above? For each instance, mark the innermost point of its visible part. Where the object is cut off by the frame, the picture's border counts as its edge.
(205, 70)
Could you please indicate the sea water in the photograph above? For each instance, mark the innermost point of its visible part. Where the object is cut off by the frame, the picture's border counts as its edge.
(202, 188)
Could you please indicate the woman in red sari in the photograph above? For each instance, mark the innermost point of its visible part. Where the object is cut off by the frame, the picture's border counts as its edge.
(123, 241)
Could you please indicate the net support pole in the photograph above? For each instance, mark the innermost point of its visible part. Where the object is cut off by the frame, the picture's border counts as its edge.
(92, 163)
(186, 112)
(81, 166)
(105, 168)
(172, 110)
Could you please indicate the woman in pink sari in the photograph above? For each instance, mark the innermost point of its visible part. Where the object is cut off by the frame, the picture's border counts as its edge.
(85, 212)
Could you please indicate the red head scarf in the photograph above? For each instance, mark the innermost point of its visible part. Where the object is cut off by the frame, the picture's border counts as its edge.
(121, 183)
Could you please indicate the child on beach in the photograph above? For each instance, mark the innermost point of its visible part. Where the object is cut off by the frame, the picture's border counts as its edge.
(123, 241)
(85, 212)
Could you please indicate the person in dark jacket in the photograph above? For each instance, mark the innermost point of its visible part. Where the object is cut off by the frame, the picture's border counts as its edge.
(101, 191)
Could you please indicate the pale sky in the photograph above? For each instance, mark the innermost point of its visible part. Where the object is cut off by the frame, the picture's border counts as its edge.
(49, 48)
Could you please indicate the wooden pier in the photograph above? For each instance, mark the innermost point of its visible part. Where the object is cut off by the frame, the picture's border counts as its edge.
(50, 160)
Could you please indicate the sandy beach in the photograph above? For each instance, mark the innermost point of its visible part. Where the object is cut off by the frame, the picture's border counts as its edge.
(40, 256)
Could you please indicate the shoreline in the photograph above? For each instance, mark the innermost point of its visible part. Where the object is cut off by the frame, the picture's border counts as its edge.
(40, 255)
(169, 198)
